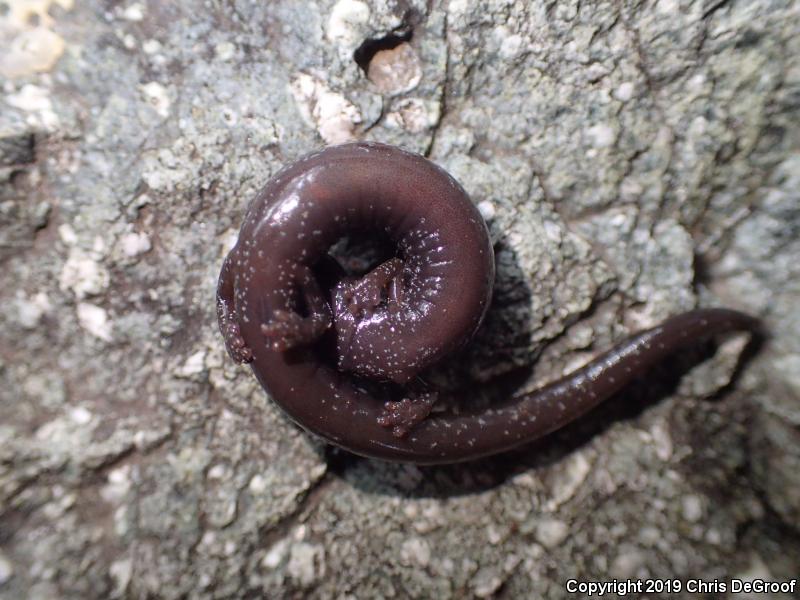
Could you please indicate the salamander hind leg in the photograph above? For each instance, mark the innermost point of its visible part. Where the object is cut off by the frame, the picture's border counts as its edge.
(403, 415)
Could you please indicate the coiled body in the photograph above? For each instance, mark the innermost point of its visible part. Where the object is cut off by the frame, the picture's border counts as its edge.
(312, 334)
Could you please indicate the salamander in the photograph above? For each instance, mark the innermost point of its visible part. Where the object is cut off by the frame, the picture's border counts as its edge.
(314, 335)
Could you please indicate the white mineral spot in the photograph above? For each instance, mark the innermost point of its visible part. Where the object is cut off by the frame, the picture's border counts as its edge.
(511, 46)
(28, 314)
(94, 320)
(692, 508)
(668, 7)
(330, 113)
(551, 532)
(650, 536)
(67, 234)
(133, 244)
(662, 440)
(121, 521)
(415, 551)
(118, 485)
(413, 114)
(553, 231)
(630, 189)
(156, 95)
(83, 275)
(457, 7)
(696, 84)
(626, 565)
(346, 23)
(31, 310)
(6, 569)
(193, 365)
(35, 100)
(209, 539)
(128, 41)
(151, 46)
(624, 91)
(300, 532)
(80, 415)
(487, 210)
(135, 12)
(486, 582)
(493, 535)
(567, 482)
(120, 572)
(217, 472)
(225, 50)
(275, 555)
(98, 246)
(306, 562)
(713, 536)
(257, 485)
(601, 135)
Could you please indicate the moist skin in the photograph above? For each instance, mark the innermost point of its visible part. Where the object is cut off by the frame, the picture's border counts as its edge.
(311, 333)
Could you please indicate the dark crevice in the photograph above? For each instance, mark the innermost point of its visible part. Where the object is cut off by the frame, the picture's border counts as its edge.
(364, 54)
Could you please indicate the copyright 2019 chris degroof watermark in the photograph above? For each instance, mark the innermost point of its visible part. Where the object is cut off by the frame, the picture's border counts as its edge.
(629, 587)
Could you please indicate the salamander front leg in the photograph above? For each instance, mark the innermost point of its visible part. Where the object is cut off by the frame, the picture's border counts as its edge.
(226, 317)
(360, 297)
(288, 329)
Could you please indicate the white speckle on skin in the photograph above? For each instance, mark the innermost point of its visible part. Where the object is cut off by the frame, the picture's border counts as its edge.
(94, 319)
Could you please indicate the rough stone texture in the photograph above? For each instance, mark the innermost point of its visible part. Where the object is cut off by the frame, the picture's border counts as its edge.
(632, 158)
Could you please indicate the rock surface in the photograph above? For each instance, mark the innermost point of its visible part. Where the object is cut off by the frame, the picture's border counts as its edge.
(633, 159)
